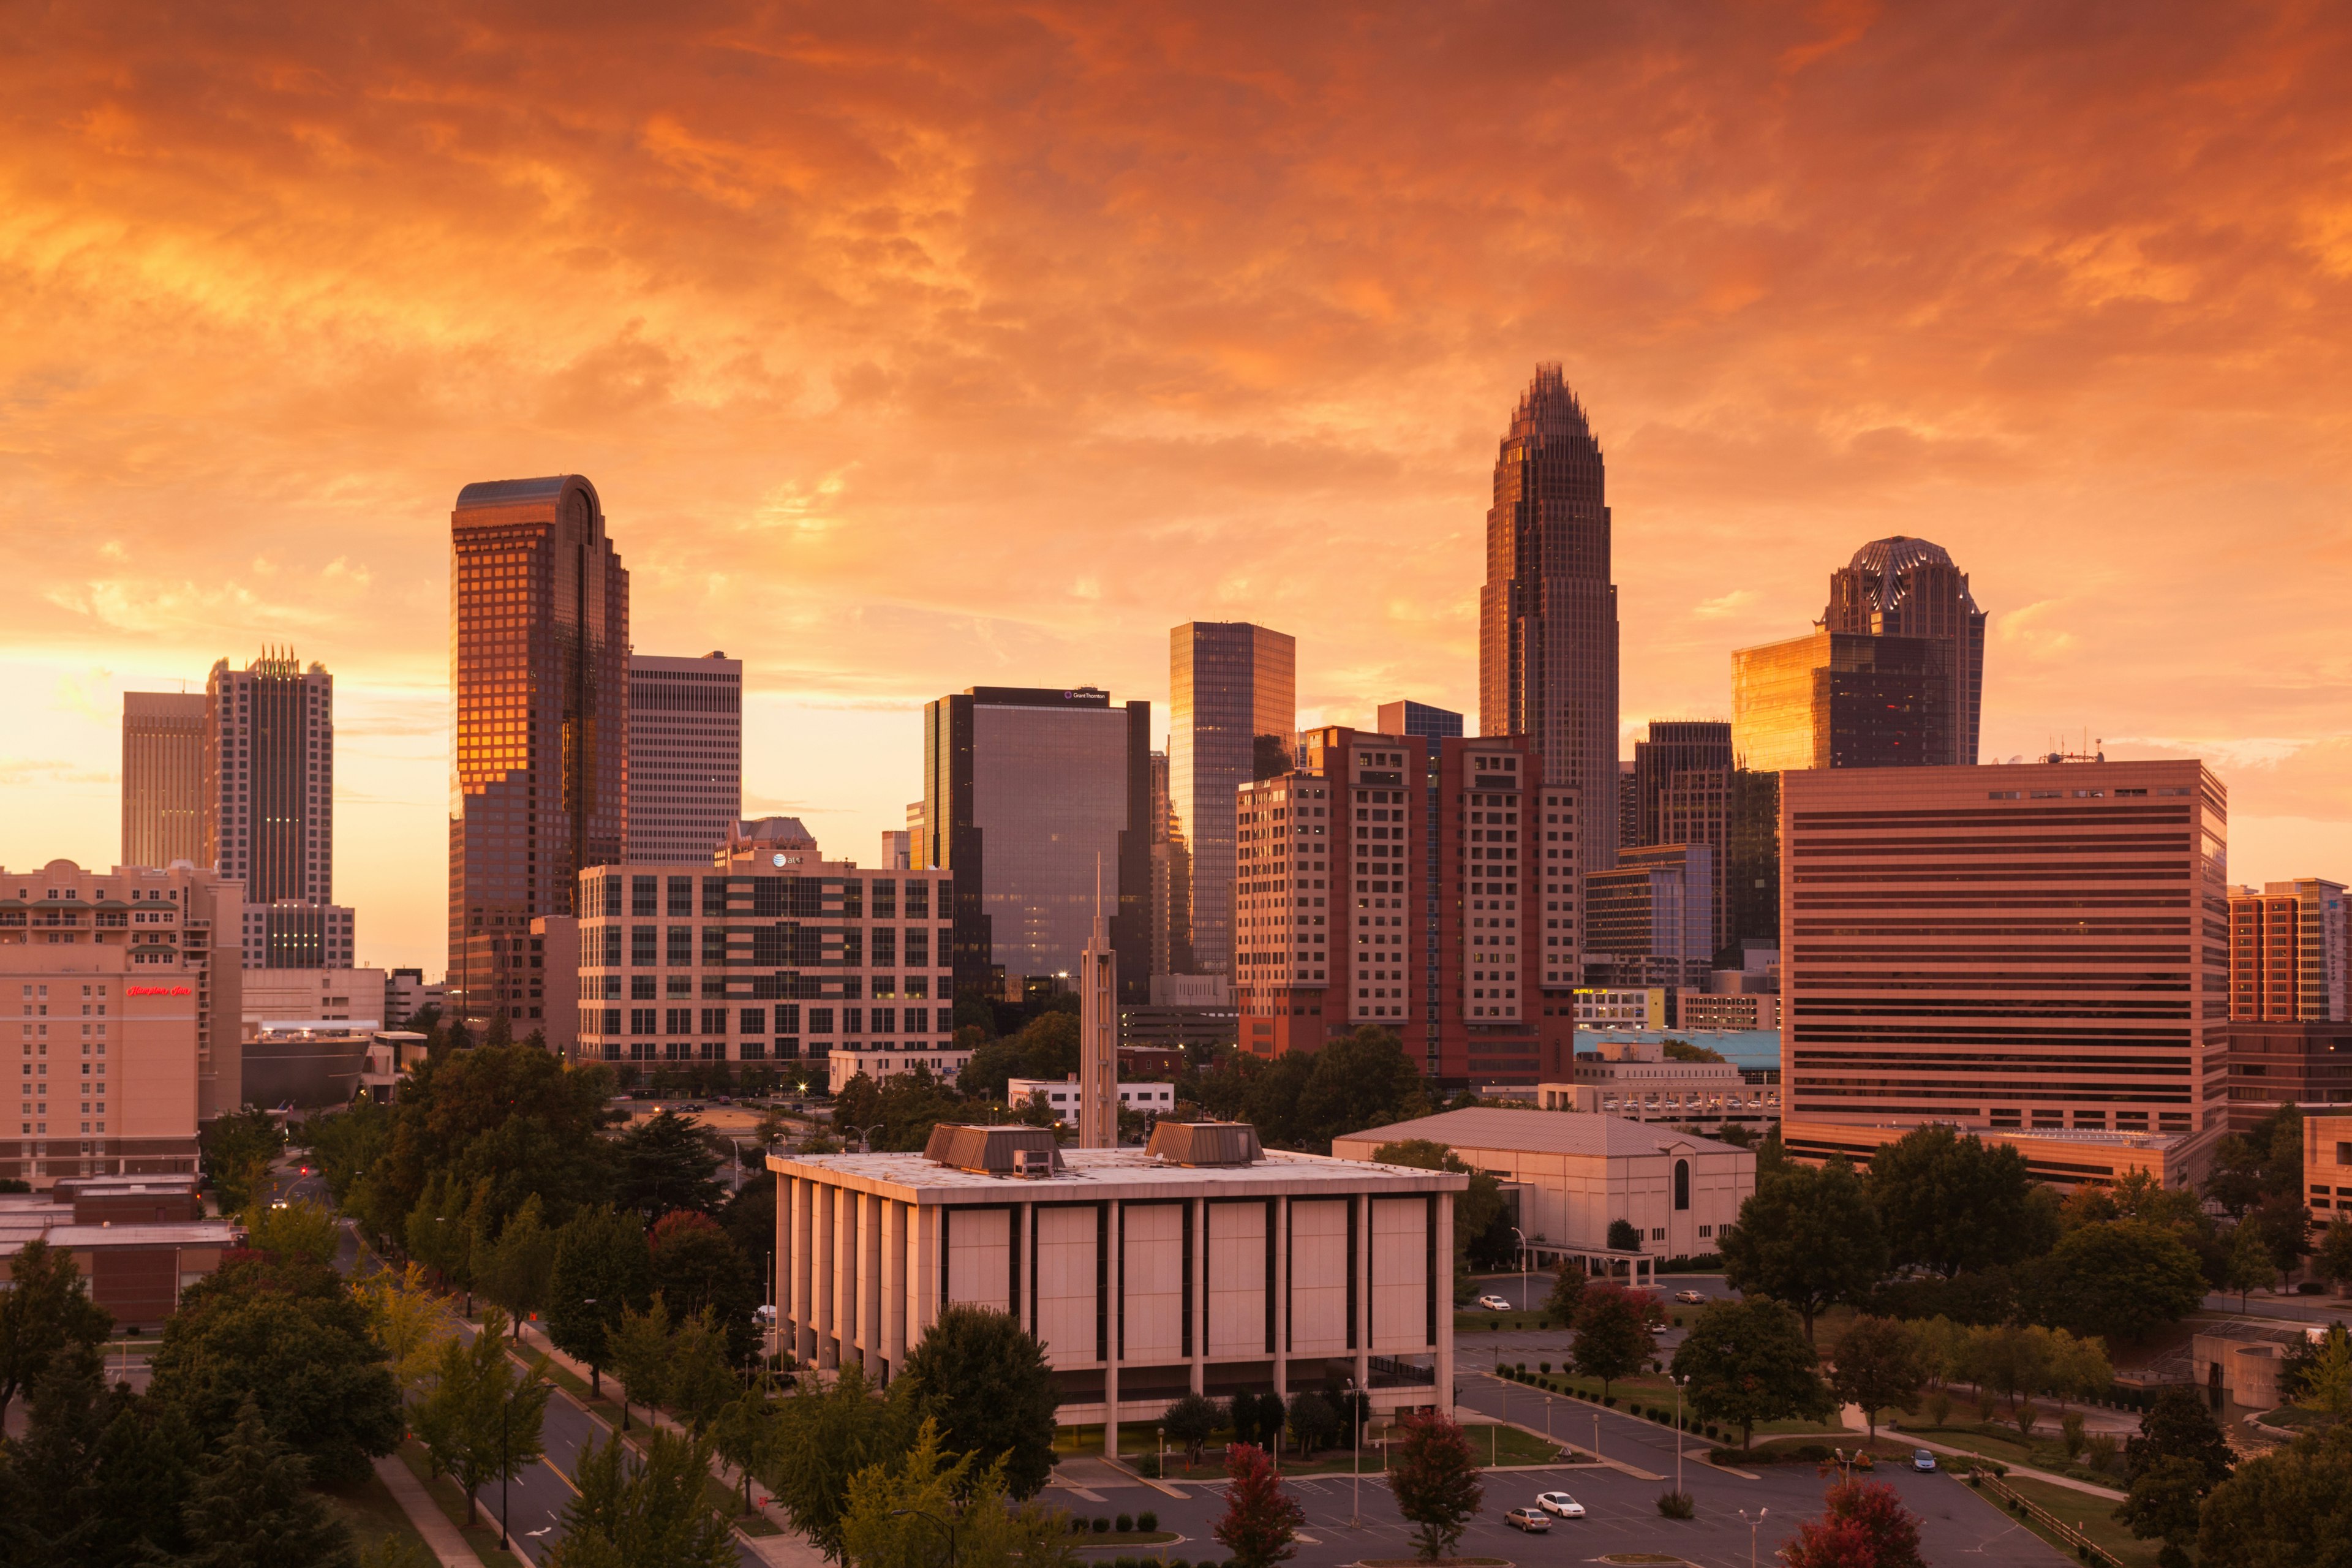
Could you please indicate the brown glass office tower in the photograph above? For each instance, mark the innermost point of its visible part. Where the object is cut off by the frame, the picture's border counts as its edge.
(1234, 709)
(540, 666)
(1547, 614)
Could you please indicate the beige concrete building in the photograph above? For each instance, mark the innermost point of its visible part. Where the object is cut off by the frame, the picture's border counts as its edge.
(126, 985)
(1632, 1078)
(1203, 1263)
(2328, 1164)
(163, 777)
(2062, 1158)
(352, 998)
(1062, 1096)
(1577, 1171)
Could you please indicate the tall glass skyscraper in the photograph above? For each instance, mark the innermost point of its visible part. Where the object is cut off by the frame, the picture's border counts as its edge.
(1909, 588)
(686, 755)
(162, 778)
(539, 674)
(1547, 614)
(1233, 707)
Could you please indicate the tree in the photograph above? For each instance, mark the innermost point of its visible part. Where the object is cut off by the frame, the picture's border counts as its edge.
(2325, 1383)
(1434, 1481)
(1613, 1332)
(885, 1528)
(1255, 1418)
(1261, 1521)
(348, 1144)
(1684, 1051)
(828, 1434)
(750, 1221)
(697, 1266)
(1362, 1079)
(1191, 1421)
(237, 1149)
(641, 1356)
(985, 1380)
(250, 1508)
(1863, 1525)
(2123, 1280)
(301, 1231)
(1623, 1237)
(1314, 1422)
(1877, 1368)
(483, 1416)
(2283, 1226)
(292, 1340)
(407, 1321)
(520, 1269)
(1808, 1236)
(748, 1432)
(1567, 1291)
(601, 1268)
(1950, 1203)
(1749, 1361)
(2333, 1257)
(2288, 1507)
(44, 1316)
(653, 1514)
(702, 1379)
(2246, 1263)
(2164, 1500)
(2179, 1456)
(667, 1163)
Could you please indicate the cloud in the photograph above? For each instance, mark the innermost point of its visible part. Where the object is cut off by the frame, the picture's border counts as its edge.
(1725, 604)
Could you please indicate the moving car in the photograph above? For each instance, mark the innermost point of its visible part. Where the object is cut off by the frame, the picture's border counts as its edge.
(1494, 1303)
(1691, 1298)
(1530, 1519)
(1924, 1459)
(1560, 1503)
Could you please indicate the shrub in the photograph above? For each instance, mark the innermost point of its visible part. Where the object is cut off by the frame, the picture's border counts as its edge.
(1544, 1367)
(2069, 1434)
(1609, 1400)
(1126, 1524)
(1147, 1467)
(2099, 1451)
(1676, 1505)
(1146, 1520)
(1102, 1524)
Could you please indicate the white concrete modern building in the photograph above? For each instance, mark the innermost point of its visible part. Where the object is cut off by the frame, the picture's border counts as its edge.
(1062, 1096)
(940, 1057)
(343, 999)
(1632, 1078)
(1576, 1172)
(1201, 1263)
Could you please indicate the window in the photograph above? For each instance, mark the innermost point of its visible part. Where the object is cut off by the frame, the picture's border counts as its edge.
(918, 1020)
(1681, 1185)
(853, 1020)
(820, 1020)
(885, 940)
(681, 896)
(641, 988)
(755, 1020)
(641, 1020)
(918, 948)
(644, 895)
(714, 1020)
(918, 900)
(788, 1019)
(642, 942)
(886, 1020)
(681, 947)
(680, 1021)
(884, 894)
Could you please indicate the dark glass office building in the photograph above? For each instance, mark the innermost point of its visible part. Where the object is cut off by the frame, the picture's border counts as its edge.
(1233, 717)
(540, 669)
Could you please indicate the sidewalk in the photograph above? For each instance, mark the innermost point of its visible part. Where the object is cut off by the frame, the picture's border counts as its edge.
(425, 1514)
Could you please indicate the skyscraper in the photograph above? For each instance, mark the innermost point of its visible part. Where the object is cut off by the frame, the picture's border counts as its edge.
(1410, 718)
(2287, 957)
(1841, 700)
(1547, 614)
(1909, 588)
(162, 778)
(269, 778)
(540, 656)
(1233, 707)
(686, 755)
(1026, 791)
(1674, 746)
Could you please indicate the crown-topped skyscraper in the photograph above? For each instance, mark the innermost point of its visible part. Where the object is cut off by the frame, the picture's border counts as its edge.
(1905, 587)
(1547, 614)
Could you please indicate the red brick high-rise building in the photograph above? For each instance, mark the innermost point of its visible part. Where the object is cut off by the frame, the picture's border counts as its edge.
(1433, 893)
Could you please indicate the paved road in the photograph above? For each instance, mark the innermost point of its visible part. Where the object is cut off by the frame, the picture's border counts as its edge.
(1536, 1289)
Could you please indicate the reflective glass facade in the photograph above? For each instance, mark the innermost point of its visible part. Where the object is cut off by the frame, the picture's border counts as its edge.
(1233, 705)
(1841, 700)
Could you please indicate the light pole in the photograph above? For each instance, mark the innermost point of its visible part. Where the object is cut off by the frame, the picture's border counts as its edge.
(1678, 1383)
(935, 1518)
(1523, 1265)
(1356, 1463)
(1596, 1434)
(1752, 1526)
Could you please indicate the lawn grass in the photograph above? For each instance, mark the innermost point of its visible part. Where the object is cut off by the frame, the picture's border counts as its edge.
(373, 1512)
(2002, 1443)
(2094, 1517)
(1470, 1321)
(1652, 1391)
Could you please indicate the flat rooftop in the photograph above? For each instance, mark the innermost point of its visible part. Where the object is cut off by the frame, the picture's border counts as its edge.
(1116, 1173)
(1581, 1132)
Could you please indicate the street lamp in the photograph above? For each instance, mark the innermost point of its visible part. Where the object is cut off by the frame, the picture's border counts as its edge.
(1752, 1526)
(1679, 1383)
(1356, 1460)
(1523, 1265)
(935, 1518)
(1596, 1434)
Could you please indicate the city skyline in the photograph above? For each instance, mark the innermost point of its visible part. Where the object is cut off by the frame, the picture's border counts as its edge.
(2099, 367)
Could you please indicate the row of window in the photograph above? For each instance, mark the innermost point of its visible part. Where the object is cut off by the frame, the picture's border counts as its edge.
(788, 1018)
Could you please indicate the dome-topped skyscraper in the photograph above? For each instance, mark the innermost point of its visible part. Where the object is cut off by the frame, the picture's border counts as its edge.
(1907, 587)
(1547, 614)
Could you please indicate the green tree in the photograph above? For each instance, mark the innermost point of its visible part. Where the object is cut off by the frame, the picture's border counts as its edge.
(701, 1379)
(1809, 1236)
(2123, 1279)
(2287, 1509)
(667, 1163)
(641, 1356)
(1567, 1291)
(2333, 1257)
(1191, 1421)
(601, 1268)
(1614, 1336)
(251, 1507)
(750, 1221)
(2180, 1426)
(2164, 1503)
(697, 1266)
(1361, 1080)
(2283, 1226)
(648, 1514)
(407, 1321)
(519, 1269)
(292, 1339)
(348, 1144)
(748, 1431)
(884, 1524)
(46, 1317)
(2247, 1261)
(1684, 1051)
(301, 1231)
(829, 1432)
(2325, 1384)
(237, 1149)
(483, 1415)
(1950, 1203)
(985, 1380)
(1434, 1481)
(1878, 1367)
(1260, 1524)
(1749, 1361)
(1625, 1236)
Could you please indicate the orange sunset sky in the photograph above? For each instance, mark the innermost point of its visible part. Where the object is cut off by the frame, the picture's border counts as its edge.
(915, 347)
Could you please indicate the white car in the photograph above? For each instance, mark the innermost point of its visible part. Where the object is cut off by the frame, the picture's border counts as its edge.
(1495, 1304)
(1560, 1503)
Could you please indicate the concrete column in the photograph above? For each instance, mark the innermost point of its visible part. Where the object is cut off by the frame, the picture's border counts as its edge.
(1200, 1308)
(1443, 1392)
(1280, 1286)
(1115, 1277)
(844, 1274)
(923, 1270)
(894, 1283)
(821, 1266)
(1364, 1291)
(870, 1301)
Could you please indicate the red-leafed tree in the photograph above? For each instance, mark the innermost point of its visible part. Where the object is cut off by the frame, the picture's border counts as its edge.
(1261, 1519)
(1435, 1481)
(1864, 1525)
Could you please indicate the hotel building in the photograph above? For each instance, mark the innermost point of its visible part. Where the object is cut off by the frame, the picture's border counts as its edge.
(686, 755)
(269, 778)
(771, 954)
(2032, 946)
(540, 669)
(163, 777)
(1430, 889)
(125, 990)
(1200, 1264)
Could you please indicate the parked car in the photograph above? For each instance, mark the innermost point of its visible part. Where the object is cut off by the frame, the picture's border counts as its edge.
(1691, 1298)
(1531, 1519)
(1494, 1303)
(1924, 1459)
(1560, 1503)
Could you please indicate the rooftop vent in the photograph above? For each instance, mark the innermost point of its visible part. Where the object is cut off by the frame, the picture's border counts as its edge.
(1205, 1144)
(994, 1151)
